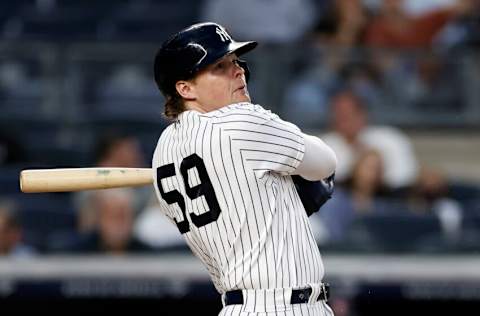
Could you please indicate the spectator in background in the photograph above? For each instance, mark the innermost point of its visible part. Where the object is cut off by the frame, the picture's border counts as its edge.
(363, 193)
(422, 82)
(333, 47)
(11, 244)
(394, 27)
(112, 233)
(113, 149)
(461, 31)
(366, 181)
(156, 229)
(352, 134)
(342, 24)
(119, 150)
(430, 194)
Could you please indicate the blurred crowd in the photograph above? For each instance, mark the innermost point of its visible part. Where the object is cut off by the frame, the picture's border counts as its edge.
(393, 53)
(114, 221)
(385, 201)
(347, 68)
(380, 177)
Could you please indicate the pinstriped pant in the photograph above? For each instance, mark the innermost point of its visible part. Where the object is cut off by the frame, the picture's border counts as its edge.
(272, 302)
(319, 308)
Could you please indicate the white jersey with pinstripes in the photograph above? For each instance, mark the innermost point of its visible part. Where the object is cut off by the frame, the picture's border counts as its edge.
(223, 178)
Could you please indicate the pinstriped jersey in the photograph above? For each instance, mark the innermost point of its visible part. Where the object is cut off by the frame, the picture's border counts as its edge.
(223, 178)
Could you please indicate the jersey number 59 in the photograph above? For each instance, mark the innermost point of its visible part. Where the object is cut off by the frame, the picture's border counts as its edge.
(205, 188)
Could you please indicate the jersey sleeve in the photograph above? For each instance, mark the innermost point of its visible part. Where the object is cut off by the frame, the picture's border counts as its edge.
(263, 140)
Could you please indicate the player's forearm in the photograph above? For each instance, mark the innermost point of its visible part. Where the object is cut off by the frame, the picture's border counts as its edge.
(319, 160)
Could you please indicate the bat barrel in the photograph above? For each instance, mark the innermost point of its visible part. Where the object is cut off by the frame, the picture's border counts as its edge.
(77, 179)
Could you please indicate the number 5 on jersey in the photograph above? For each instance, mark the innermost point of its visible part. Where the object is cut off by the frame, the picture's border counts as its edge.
(205, 188)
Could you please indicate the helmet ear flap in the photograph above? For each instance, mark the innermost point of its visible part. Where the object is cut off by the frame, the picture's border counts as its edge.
(242, 63)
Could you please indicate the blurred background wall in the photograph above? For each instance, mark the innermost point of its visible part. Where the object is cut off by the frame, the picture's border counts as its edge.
(393, 86)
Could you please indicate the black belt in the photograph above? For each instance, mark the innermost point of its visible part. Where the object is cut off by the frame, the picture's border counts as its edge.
(298, 296)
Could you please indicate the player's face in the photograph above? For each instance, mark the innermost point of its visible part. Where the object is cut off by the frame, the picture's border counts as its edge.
(220, 84)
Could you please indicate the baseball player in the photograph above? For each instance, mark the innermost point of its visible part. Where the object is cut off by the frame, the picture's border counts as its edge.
(223, 176)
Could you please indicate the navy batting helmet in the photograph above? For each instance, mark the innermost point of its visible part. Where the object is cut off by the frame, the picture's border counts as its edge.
(192, 49)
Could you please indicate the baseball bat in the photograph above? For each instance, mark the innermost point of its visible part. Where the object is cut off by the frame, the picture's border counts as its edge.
(77, 179)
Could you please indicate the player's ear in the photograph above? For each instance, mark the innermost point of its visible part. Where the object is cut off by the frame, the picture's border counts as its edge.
(186, 90)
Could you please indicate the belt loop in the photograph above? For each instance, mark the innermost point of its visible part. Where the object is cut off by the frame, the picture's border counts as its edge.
(287, 295)
(324, 290)
(315, 292)
(223, 297)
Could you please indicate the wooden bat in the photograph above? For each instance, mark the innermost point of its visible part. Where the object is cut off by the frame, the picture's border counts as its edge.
(77, 179)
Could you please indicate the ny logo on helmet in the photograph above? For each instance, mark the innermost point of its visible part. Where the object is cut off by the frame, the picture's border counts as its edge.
(223, 35)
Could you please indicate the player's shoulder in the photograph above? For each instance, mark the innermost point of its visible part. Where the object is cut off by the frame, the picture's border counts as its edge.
(167, 129)
(249, 117)
(240, 111)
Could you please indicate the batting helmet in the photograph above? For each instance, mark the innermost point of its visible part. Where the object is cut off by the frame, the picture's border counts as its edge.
(192, 49)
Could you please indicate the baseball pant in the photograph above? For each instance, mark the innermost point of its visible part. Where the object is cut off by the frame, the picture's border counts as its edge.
(274, 302)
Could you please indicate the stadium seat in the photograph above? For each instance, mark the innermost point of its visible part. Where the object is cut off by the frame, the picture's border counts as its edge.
(393, 233)
(468, 195)
(46, 143)
(155, 21)
(60, 24)
(128, 92)
(45, 214)
(21, 87)
(9, 180)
